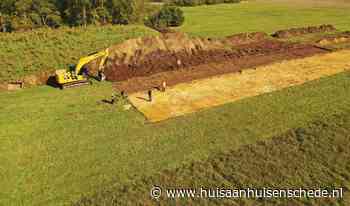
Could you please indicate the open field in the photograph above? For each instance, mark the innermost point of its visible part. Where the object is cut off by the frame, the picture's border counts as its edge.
(59, 145)
(300, 158)
(311, 3)
(226, 19)
(205, 93)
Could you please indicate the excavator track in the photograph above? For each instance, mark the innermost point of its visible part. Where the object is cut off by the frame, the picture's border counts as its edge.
(75, 84)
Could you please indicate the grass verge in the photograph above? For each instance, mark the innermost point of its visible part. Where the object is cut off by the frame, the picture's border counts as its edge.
(59, 145)
(313, 157)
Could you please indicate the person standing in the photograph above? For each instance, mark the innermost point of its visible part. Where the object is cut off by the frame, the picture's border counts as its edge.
(150, 95)
(101, 76)
(163, 86)
(114, 98)
(123, 94)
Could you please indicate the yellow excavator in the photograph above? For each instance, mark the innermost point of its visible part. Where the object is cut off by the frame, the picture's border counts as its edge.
(78, 76)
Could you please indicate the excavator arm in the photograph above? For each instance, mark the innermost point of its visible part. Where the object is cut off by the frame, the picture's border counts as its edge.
(85, 60)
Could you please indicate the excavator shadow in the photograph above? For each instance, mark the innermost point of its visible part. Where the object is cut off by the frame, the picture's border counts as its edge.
(143, 98)
(106, 101)
(51, 81)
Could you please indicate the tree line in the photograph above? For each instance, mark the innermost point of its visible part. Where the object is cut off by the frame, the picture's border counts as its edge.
(28, 14)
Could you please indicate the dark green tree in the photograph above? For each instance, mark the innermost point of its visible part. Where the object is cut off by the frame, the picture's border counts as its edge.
(29, 14)
(46, 13)
(121, 10)
(7, 8)
(168, 16)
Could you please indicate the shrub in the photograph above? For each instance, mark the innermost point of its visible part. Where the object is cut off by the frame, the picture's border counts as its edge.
(168, 16)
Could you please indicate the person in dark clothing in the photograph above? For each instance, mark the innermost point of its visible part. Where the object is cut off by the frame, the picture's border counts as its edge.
(85, 72)
(150, 95)
(113, 99)
(101, 76)
(123, 94)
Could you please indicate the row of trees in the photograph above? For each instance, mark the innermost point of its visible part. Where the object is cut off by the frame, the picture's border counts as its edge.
(28, 14)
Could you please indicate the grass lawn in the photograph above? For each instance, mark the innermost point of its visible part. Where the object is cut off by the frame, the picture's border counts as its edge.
(300, 158)
(226, 19)
(56, 146)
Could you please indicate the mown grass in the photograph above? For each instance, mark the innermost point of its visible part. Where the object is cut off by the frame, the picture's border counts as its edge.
(45, 49)
(57, 146)
(313, 157)
(226, 19)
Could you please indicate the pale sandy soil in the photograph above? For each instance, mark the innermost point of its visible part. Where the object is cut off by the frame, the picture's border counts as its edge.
(201, 94)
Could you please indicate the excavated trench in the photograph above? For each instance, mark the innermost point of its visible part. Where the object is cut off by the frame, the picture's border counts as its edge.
(199, 58)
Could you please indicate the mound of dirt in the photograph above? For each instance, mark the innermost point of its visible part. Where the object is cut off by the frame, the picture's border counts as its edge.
(39, 78)
(246, 38)
(303, 30)
(144, 57)
(134, 50)
(334, 39)
(142, 83)
(3, 87)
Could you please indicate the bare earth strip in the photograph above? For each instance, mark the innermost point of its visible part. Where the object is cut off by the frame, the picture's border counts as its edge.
(187, 98)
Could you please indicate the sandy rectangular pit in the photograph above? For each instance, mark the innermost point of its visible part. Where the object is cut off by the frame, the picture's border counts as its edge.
(200, 94)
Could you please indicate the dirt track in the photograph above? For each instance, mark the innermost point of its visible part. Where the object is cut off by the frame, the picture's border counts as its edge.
(159, 67)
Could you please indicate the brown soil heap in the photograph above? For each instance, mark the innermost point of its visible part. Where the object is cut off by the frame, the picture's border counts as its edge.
(335, 39)
(304, 30)
(276, 52)
(246, 38)
(144, 56)
(178, 52)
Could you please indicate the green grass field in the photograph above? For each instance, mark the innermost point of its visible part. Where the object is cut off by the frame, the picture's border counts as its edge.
(226, 19)
(58, 145)
(300, 158)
